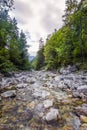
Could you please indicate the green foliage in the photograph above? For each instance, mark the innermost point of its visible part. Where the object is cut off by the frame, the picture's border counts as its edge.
(38, 62)
(13, 45)
(69, 44)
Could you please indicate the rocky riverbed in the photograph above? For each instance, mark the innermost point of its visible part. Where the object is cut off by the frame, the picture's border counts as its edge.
(44, 100)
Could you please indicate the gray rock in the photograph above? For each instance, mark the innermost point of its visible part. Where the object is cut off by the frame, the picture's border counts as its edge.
(41, 94)
(21, 85)
(52, 115)
(82, 89)
(68, 69)
(39, 107)
(76, 95)
(47, 103)
(0, 98)
(81, 110)
(10, 93)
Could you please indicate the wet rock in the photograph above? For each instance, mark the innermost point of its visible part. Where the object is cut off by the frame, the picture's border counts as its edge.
(7, 94)
(52, 115)
(47, 104)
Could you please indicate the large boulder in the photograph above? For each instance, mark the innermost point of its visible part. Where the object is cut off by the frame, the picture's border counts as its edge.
(8, 94)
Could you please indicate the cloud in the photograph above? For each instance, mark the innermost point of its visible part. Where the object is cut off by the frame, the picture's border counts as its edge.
(38, 17)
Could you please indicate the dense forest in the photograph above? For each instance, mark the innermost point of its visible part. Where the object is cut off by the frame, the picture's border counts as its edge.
(68, 45)
(13, 43)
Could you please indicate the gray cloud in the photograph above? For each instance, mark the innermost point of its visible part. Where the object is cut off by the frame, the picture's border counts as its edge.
(23, 10)
(51, 18)
(39, 17)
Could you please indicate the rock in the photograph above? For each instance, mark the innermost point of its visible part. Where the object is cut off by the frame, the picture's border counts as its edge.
(81, 110)
(41, 94)
(31, 80)
(62, 85)
(59, 78)
(82, 89)
(83, 119)
(67, 128)
(47, 103)
(68, 69)
(7, 94)
(5, 127)
(39, 110)
(76, 123)
(21, 85)
(52, 115)
(0, 98)
(39, 107)
(76, 95)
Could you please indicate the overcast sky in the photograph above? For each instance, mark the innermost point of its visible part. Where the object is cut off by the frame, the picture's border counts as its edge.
(39, 18)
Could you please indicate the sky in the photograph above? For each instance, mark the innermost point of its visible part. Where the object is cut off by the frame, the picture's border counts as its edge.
(38, 18)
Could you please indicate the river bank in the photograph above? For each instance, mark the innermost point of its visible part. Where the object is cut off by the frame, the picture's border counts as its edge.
(44, 100)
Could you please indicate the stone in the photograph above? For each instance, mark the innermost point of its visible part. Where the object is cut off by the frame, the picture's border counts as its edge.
(81, 110)
(52, 115)
(0, 98)
(41, 94)
(82, 89)
(68, 69)
(83, 118)
(47, 104)
(39, 107)
(7, 94)
(67, 128)
(21, 85)
(76, 95)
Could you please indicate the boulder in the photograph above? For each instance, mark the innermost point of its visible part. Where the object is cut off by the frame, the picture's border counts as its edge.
(81, 110)
(47, 103)
(76, 94)
(8, 94)
(83, 118)
(82, 89)
(68, 69)
(52, 115)
(21, 85)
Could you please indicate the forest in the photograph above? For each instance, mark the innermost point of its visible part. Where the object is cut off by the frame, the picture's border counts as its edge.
(13, 44)
(68, 45)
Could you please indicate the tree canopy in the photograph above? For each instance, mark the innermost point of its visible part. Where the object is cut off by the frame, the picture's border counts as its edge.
(13, 43)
